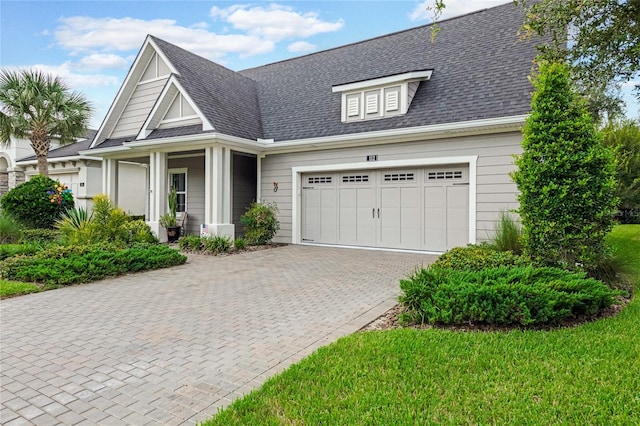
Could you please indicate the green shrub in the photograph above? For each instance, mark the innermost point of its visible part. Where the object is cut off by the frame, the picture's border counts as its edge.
(40, 236)
(10, 250)
(261, 222)
(508, 235)
(216, 244)
(475, 258)
(10, 231)
(240, 243)
(37, 203)
(137, 231)
(190, 243)
(565, 177)
(71, 265)
(507, 295)
(77, 227)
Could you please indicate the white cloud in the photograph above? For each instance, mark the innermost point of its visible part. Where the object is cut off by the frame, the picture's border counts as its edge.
(424, 9)
(87, 35)
(67, 72)
(301, 47)
(274, 22)
(97, 61)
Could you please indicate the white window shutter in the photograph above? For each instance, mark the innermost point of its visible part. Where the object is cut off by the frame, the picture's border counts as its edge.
(391, 103)
(353, 107)
(372, 103)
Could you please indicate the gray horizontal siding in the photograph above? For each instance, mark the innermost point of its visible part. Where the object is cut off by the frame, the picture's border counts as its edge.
(495, 190)
(135, 113)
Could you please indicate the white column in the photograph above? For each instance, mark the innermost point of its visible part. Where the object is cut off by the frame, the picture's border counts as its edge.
(217, 191)
(226, 186)
(110, 179)
(157, 191)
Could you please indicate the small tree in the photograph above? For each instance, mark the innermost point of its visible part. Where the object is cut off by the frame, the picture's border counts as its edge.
(624, 138)
(261, 222)
(39, 107)
(565, 177)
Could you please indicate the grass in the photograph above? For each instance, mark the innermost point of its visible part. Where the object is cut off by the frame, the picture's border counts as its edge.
(14, 288)
(589, 374)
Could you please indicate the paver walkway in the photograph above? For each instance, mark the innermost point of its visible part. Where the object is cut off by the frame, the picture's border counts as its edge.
(172, 346)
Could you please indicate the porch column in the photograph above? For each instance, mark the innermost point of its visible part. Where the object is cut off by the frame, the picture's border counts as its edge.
(157, 192)
(110, 179)
(217, 191)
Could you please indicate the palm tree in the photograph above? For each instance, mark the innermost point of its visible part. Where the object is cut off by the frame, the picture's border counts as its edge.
(40, 107)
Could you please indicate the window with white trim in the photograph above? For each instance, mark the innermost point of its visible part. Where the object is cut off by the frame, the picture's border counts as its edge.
(178, 180)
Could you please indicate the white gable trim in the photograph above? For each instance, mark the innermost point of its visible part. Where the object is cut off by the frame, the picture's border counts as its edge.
(171, 89)
(128, 86)
(383, 81)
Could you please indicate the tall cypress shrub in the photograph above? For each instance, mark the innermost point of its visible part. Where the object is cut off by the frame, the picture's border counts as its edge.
(565, 177)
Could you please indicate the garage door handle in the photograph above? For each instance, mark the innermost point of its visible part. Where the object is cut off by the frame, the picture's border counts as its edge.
(373, 213)
(378, 213)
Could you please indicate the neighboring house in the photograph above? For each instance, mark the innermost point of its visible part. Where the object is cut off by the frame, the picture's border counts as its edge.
(392, 142)
(82, 173)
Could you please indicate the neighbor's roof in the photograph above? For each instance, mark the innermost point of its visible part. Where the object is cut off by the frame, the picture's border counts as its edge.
(480, 71)
(70, 150)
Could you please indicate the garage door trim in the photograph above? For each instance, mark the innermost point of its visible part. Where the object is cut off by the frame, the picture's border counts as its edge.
(297, 171)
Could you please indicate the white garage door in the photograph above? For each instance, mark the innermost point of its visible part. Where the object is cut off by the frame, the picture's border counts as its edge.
(422, 209)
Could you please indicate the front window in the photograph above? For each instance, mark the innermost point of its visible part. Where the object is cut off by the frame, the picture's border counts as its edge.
(178, 180)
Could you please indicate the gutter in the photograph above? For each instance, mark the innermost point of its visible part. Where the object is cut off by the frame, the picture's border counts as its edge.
(262, 146)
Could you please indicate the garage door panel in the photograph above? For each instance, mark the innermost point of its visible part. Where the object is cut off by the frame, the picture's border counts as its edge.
(356, 223)
(400, 217)
(435, 221)
(457, 216)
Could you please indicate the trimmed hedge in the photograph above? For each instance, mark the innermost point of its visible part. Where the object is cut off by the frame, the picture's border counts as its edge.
(475, 258)
(72, 265)
(507, 295)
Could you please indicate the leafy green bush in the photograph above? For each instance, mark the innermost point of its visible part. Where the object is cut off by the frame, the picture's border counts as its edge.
(10, 231)
(41, 236)
(475, 258)
(240, 243)
(261, 222)
(10, 250)
(191, 243)
(216, 244)
(507, 295)
(137, 231)
(508, 235)
(37, 203)
(106, 223)
(565, 177)
(71, 265)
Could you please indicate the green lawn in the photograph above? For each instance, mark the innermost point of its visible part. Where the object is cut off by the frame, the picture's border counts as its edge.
(584, 375)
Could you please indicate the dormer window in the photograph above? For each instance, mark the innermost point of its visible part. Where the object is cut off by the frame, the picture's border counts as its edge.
(381, 97)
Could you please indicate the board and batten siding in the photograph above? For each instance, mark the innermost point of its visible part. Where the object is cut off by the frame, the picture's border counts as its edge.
(195, 190)
(495, 190)
(140, 103)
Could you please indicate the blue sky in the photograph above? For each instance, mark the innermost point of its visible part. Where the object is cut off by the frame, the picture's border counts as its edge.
(91, 44)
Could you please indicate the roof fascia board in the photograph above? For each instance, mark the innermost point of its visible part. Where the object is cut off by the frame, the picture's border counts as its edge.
(60, 160)
(408, 76)
(127, 88)
(465, 128)
(155, 111)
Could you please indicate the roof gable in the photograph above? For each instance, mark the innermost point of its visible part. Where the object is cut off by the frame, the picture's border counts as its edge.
(149, 56)
(173, 97)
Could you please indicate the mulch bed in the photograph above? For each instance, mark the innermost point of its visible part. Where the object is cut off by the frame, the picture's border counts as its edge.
(230, 253)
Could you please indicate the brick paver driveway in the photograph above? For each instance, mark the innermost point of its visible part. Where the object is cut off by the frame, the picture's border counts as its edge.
(172, 346)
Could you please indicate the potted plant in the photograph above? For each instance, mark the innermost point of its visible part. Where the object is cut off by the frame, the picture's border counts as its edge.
(168, 220)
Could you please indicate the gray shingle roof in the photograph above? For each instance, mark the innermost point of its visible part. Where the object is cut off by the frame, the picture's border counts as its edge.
(480, 71)
(70, 150)
(228, 99)
(479, 67)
